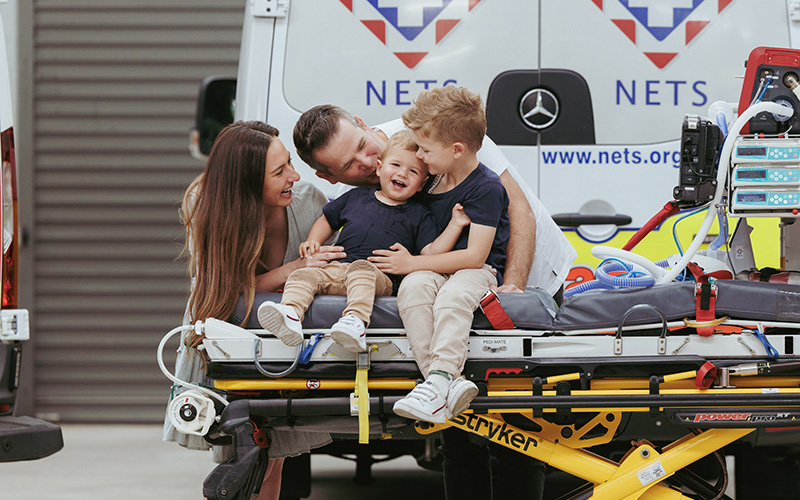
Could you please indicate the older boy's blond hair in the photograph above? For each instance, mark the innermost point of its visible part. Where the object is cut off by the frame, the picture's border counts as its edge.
(448, 114)
(402, 139)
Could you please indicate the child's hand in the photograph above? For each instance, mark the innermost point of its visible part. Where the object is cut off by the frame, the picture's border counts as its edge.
(460, 217)
(308, 248)
(325, 255)
(397, 260)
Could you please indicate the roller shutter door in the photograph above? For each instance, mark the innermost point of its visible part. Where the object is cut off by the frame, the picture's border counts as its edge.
(115, 86)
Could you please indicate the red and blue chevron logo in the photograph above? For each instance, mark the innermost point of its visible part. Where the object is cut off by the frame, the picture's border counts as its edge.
(661, 29)
(410, 29)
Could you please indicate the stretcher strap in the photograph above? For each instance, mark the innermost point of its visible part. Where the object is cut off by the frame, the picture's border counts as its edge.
(705, 300)
(363, 405)
(706, 296)
(490, 305)
(384, 418)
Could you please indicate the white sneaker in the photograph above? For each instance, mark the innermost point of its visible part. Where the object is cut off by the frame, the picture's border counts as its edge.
(281, 321)
(424, 402)
(459, 395)
(350, 333)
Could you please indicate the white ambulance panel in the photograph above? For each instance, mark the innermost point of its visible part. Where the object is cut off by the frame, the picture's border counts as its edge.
(648, 64)
(372, 57)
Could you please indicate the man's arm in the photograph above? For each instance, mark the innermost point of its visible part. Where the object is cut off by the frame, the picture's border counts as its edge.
(522, 237)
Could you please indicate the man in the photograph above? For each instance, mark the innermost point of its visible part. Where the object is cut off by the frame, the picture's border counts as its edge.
(342, 149)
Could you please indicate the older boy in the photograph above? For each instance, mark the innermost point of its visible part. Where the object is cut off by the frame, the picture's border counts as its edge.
(369, 219)
(448, 124)
(341, 148)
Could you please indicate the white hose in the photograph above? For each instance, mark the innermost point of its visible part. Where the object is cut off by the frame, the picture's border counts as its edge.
(169, 375)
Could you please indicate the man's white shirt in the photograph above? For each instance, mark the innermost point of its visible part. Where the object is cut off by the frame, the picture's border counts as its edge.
(553, 255)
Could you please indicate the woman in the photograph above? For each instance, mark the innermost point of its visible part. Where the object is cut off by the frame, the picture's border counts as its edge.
(245, 219)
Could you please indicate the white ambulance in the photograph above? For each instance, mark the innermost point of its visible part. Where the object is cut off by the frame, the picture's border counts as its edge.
(21, 437)
(585, 97)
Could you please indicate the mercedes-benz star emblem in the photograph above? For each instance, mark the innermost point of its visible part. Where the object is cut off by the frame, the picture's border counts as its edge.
(538, 108)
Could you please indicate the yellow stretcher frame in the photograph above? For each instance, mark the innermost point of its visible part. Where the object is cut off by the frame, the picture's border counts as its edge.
(637, 475)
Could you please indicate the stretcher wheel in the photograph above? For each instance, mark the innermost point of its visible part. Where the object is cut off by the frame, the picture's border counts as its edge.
(768, 472)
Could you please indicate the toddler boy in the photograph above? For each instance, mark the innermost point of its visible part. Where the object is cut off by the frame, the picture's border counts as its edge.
(369, 219)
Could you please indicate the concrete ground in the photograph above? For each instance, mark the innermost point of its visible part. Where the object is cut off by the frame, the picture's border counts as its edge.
(101, 462)
(122, 462)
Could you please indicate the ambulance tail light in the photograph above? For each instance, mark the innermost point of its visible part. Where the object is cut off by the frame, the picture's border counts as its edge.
(8, 217)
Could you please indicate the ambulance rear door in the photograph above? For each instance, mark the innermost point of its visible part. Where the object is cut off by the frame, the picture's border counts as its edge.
(646, 64)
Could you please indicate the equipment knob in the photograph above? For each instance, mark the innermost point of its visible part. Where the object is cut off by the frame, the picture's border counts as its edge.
(188, 412)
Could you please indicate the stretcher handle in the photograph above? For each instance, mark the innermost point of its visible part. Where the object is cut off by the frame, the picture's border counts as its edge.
(704, 324)
(759, 334)
(672, 377)
(662, 339)
(257, 344)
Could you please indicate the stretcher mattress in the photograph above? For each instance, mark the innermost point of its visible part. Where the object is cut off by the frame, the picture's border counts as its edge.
(746, 300)
(592, 310)
(533, 310)
(543, 336)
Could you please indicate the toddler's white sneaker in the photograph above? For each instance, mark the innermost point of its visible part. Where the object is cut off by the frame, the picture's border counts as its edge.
(282, 321)
(350, 333)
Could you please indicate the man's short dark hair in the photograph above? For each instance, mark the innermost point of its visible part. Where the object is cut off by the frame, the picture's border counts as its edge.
(314, 130)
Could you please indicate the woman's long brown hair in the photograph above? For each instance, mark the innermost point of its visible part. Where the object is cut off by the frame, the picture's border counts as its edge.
(224, 217)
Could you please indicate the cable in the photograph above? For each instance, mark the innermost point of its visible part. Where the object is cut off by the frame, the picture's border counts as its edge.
(169, 375)
(721, 239)
(675, 227)
(769, 80)
(761, 90)
(757, 92)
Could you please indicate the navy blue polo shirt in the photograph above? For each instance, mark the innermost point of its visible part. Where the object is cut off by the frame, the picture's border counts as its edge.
(368, 224)
(485, 202)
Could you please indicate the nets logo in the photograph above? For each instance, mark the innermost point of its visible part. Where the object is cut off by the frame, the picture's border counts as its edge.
(410, 28)
(661, 28)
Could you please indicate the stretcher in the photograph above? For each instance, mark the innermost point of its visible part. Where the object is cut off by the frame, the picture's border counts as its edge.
(702, 365)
